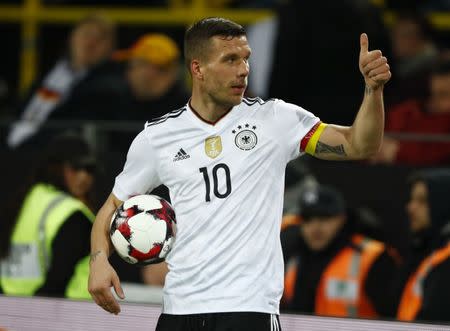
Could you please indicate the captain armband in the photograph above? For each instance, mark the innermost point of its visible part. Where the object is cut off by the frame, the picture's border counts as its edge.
(309, 141)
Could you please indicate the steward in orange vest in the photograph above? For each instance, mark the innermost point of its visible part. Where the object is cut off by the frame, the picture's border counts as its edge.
(426, 291)
(334, 271)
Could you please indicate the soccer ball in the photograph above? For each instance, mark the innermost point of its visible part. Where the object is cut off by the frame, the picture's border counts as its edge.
(143, 229)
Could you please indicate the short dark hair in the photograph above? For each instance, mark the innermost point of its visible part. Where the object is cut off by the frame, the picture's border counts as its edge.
(198, 35)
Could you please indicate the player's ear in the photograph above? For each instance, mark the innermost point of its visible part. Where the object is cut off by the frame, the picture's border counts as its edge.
(196, 69)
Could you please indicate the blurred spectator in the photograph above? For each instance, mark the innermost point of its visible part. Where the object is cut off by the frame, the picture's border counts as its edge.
(298, 179)
(333, 270)
(152, 83)
(45, 228)
(427, 273)
(414, 116)
(147, 86)
(318, 45)
(414, 56)
(411, 44)
(78, 73)
(150, 87)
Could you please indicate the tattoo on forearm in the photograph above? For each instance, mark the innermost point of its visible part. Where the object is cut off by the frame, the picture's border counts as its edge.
(368, 90)
(324, 148)
(94, 255)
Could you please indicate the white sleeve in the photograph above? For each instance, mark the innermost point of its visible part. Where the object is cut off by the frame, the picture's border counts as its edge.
(140, 173)
(293, 123)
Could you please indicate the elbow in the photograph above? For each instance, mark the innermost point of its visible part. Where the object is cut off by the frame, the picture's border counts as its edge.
(368, 155)
(366, 147)
(366, 152)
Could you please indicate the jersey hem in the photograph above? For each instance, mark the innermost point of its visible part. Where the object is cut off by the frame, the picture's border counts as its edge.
(119, 193)
(222, 310)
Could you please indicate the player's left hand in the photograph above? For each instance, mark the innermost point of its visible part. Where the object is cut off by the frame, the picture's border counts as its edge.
(373, 65)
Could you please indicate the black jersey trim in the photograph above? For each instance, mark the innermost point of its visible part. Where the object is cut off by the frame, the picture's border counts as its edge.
(172, 114)
(251, 101)
(167, 114)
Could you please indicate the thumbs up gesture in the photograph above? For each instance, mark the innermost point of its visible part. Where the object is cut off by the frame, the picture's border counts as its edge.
(373, 65)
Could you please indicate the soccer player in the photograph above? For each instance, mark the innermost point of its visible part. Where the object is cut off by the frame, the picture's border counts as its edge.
(223, 158)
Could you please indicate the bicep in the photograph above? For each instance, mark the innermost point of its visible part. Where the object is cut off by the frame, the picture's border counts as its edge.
(335, 144)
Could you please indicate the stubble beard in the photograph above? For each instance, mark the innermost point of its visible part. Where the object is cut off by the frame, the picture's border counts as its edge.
(225, 102)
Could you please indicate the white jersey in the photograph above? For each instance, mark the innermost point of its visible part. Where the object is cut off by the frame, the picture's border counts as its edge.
(226, 183)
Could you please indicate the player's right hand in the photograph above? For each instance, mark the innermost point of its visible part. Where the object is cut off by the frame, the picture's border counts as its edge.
(101, 277)
(373, 65)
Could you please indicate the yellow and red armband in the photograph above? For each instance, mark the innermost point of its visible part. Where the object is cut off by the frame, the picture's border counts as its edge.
(309, 141)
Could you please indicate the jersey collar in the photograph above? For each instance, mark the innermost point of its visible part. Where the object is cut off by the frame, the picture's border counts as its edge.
(195, 116)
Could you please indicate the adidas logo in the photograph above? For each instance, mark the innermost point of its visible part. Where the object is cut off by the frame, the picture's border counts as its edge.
(181, 155)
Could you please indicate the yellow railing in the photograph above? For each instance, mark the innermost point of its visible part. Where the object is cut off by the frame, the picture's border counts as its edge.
(179, 12)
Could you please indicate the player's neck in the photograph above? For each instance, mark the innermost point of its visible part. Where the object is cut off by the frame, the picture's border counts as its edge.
(207, 109)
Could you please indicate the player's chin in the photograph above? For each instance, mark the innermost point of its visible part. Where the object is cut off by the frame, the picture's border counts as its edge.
(236, 98)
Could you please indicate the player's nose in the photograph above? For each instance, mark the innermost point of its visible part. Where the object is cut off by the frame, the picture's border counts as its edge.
(244, 69)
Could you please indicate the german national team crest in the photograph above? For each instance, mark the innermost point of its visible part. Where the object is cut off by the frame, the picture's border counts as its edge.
(213, 146)
(246, 138)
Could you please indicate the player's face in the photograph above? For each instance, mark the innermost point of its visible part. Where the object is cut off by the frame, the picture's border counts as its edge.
(79, 181)
(226, 69)
(318, 232)
(418, 209)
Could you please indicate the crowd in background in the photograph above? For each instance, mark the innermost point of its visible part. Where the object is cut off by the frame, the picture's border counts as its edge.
(338, 262)
(313, 41)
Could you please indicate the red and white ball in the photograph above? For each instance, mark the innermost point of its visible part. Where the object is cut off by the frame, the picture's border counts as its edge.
(143, 229)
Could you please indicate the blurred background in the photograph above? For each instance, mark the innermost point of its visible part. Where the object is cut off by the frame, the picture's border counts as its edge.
(82, 67)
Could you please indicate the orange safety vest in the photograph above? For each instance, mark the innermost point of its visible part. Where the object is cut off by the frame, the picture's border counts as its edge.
(290, 220)
(341, 287)
(412, 296)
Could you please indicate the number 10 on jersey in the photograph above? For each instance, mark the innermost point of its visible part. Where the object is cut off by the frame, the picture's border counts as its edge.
(219, 170)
